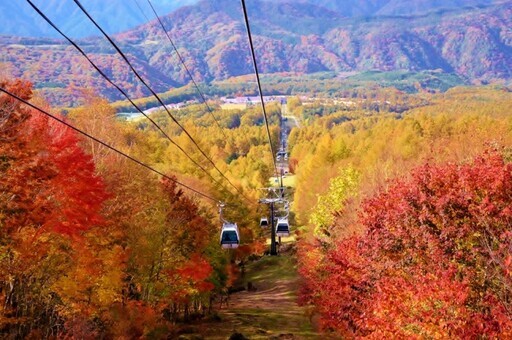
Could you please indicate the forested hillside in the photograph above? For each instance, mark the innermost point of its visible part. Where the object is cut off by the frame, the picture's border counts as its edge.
(125, 15)
(359, 185)
(420, 196)
(471, 43)
(93, 244)
(407, 217)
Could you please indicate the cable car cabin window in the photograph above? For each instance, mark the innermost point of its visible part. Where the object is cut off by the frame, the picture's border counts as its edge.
(282, 228)
(263, 222)
(229, 236)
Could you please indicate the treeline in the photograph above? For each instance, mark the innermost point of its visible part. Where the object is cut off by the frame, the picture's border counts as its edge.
(381, 90)
(406, 218)
(94, 246)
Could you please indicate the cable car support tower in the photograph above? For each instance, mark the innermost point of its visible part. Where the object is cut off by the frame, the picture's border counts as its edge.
(277, 194)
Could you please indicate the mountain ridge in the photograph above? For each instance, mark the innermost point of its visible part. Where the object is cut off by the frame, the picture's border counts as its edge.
(19, 18)
(475, 44)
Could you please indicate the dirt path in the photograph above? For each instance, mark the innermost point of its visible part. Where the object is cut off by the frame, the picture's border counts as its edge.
(269, 312)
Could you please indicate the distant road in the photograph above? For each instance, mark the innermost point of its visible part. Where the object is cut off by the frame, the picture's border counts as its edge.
(286, 127)
(284, 114)
(297, 124)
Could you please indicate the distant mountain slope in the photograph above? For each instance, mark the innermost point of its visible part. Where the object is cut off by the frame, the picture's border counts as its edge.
(408, 7)
(365, 8)
(351, 8)
(18, 18)
(474, 43)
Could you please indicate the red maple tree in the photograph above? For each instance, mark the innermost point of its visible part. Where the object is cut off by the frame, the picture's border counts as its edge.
(49, 196)
(434, 260)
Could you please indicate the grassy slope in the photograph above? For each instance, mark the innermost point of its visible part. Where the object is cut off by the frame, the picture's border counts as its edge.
(272, 310)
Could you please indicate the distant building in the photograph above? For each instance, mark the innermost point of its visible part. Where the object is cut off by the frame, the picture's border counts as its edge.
(252, 100)
(175, 106)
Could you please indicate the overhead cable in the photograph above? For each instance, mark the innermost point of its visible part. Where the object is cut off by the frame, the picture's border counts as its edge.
(187, 69)
(155, 95)
(122, 92)
(141, 10)
(251, 45)
(108, 145)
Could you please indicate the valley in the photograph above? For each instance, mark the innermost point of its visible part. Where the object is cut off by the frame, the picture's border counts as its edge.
(288, 169)
(433, 51)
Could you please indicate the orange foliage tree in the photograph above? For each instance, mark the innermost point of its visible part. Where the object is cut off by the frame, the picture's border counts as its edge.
(118, 255)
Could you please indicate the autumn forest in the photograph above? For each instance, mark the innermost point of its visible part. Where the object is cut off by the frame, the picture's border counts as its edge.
(396, 183)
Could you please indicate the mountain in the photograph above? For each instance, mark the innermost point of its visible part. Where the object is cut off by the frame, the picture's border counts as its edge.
(473, 41)
(366, 8)
(408, 7)
(19, 18)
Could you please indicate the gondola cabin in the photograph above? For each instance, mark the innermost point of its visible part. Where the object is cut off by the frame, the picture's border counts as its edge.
(229, 236)
(264, 222)
(282, 227)
(281, 153)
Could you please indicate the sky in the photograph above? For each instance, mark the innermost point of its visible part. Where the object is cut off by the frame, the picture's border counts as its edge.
(20, 19)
